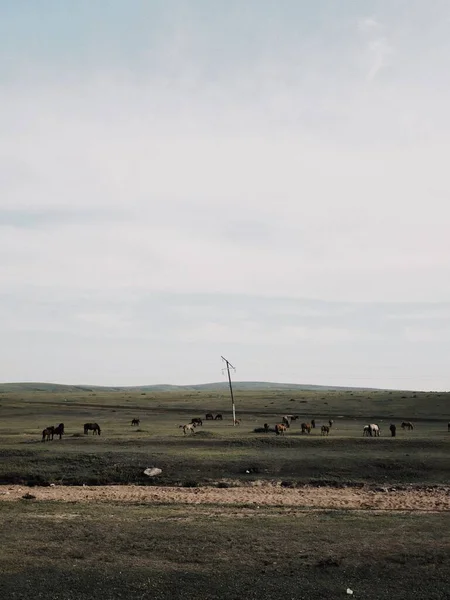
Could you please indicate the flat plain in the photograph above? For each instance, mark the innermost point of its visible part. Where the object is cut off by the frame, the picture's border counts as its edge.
(235, 513)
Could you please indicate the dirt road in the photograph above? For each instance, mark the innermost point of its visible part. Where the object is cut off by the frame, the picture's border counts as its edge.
(429, 500)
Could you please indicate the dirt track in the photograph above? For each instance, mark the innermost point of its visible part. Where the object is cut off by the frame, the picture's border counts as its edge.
(429, 500)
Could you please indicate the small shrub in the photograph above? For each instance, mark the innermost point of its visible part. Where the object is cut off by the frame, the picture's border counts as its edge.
(190, 483)
(328, 562)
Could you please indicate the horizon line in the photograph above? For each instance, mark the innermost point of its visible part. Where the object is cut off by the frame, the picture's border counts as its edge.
(236, 382)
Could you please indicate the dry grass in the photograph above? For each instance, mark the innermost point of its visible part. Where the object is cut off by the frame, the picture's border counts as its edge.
(73, 550)
(68, 550)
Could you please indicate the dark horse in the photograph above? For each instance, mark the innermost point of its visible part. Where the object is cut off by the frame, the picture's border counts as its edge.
(47, 432)
(51, 431)
(393, 429)
(218, 417)
(59, 430)
(196, 421)
(94, 427)
(209, 417)
(135, 421)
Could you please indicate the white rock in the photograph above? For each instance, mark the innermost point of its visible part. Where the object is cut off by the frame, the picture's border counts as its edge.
(152, 471)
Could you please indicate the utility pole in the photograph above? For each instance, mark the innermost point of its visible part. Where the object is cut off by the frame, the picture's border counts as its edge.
(231, 387)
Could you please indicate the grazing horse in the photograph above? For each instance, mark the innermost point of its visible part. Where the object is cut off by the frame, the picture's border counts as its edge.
(324, 430)
(330, 423)
(209, 417)
(58, 430)
(94, 427)
(374, 430)
(237, 421)
(306, 428)
(280, 428)
(285, 420)
(266, 427)
(47, 432)
(189, 428)
(135, 421)
(366, 431)
(218, 417)
(407, 425)
(196, 421)
(313, 423)
(292, 417)
(393, 429)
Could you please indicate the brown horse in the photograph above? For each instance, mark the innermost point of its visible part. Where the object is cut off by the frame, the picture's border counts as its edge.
(196, 421)
(407, 425)
(280, 428)
(135, 421)
(237, 421)
(325, 430)
(306, 428)
(218, 417)
(94, 427)
(209, 417)
(47, 432)
(393, 429)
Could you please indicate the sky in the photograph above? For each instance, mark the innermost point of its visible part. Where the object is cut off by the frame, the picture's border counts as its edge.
(181, 180)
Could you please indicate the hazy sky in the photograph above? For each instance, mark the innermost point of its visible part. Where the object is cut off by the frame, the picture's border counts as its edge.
(263, 180)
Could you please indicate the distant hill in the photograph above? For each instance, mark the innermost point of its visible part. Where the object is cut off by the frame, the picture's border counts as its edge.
(202, 387)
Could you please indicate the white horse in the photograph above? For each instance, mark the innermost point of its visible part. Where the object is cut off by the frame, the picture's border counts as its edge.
(189, 428)
(374, 430)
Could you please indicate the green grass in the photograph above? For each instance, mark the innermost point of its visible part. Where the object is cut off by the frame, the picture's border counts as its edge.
(68, 550)
(219, 451)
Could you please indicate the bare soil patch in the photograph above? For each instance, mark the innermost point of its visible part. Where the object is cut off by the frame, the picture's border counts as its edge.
(263, 494)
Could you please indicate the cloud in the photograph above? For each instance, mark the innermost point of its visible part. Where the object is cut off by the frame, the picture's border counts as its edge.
(379, 50)
(368, 24)
(254, 165)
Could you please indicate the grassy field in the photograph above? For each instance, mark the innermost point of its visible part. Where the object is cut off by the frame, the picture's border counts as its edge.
(218, 451)
(80, 551)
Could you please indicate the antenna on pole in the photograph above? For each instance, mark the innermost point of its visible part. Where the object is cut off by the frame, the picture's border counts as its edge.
(228, 365)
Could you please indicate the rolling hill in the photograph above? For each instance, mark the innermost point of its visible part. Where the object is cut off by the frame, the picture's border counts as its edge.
(202, 387)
